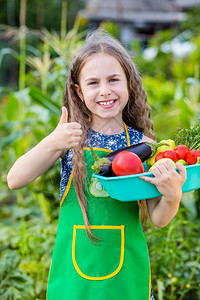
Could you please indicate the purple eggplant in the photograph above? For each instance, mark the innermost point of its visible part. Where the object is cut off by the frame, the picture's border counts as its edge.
(144, 150)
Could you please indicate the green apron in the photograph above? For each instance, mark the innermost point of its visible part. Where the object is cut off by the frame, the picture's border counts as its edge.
(118, 266)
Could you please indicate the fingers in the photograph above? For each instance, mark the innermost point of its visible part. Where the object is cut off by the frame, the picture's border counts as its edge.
(75, 144)
(64, 120)
(168, 180)
(182, 171)
(148, 179)
(64, 116)
(73, 134)
(164, 166)
(74, 125)
(76, 139)
(165, 171)
(74, 128)
(67, 135)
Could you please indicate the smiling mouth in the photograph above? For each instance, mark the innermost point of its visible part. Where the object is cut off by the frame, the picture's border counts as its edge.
(106, 103)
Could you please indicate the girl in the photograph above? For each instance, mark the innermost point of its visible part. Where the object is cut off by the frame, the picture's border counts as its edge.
(100, 250)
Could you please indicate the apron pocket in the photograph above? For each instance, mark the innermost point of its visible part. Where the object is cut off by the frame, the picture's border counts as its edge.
(101, 261)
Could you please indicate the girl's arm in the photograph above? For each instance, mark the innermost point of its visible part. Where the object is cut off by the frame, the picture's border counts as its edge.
(35, 162)
(169, 183)
(32, 164)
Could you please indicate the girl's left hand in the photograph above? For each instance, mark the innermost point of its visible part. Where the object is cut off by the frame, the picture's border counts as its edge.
(167, 180)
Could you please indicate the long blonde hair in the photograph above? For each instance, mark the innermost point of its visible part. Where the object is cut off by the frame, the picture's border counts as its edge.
(135, 114)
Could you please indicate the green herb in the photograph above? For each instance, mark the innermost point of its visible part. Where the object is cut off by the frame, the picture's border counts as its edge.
(189, 137)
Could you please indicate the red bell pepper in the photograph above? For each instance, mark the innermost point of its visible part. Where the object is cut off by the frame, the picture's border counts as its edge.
(182, 151)
(171, 154)
(192, 157)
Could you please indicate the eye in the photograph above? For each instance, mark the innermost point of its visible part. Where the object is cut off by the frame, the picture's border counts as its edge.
(92, 83)
(113, 79)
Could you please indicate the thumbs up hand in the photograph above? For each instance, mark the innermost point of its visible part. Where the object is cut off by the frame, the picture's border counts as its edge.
(64, 116)
(66, 135)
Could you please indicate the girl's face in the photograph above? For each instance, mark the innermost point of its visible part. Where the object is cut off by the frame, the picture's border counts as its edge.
(103, 87)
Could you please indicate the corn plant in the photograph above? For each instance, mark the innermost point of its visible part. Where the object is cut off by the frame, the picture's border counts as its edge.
(65, 46)
(187, 101)
(42, 64)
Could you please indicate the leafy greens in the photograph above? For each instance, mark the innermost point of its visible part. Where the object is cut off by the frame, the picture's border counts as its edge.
(189, 137)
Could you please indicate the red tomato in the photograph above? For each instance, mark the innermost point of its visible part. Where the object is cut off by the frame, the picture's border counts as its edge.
(196, 153)
(127, 163)
(182, 151)
(171, 154)
(191, 157)
(159, 156)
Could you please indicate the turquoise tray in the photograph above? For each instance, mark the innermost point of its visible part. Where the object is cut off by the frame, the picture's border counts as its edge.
(132, 188)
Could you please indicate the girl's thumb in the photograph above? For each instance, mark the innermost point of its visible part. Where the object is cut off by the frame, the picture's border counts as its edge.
(64, 116)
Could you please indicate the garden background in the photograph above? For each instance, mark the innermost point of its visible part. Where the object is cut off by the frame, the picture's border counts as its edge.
(33, 69)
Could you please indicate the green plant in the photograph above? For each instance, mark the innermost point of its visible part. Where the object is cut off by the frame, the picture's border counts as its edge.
(174, 254)
(14, 283)
(187, 100)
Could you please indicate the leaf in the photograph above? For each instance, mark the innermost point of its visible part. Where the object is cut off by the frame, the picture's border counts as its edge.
(13, 137)
(14, 284)
(9, 51)
(18, 103)
(44, 100)
(7, 295)
(33, 50)
(161, 288)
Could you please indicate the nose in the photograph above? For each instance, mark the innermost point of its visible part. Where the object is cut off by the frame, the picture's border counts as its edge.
(104, 90)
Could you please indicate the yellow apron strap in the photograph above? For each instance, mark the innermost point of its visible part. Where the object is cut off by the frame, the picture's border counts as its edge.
(127, 135)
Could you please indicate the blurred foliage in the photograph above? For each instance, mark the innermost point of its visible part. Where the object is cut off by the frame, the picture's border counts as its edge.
(29, 216)
(192, 21)
(174, 255)
(14, 283)
(39, 13)
(170, 69)
(22, 25)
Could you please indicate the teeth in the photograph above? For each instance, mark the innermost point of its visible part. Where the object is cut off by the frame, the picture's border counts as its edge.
(106, 102)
